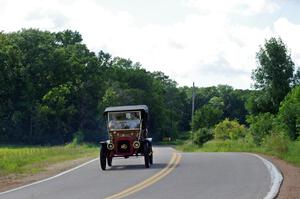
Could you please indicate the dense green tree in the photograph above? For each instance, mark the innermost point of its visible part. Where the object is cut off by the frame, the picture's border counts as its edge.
(228, 102)
(54, 89)
(297, 77)
(289, 113)
(263, 125)
(274, 74)
(207, 116)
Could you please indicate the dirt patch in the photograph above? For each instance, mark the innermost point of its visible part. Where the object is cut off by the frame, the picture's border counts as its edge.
(290, 188)
(12, 181)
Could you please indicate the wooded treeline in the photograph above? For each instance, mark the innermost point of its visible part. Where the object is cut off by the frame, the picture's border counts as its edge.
(54, 88)
(271, 112)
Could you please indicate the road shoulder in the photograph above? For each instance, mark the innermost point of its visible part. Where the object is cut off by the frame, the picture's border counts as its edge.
(13, 181)
(290, 187)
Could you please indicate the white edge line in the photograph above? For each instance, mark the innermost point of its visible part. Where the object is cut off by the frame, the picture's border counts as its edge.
(276, 177)
(50, 178)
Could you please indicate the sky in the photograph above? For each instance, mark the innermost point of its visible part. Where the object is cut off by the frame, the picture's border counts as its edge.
(208, 42)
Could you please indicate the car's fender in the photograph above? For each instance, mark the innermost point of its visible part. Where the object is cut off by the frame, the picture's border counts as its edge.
(104, 142)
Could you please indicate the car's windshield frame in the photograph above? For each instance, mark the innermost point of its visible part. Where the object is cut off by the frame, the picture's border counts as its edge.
(116, 122)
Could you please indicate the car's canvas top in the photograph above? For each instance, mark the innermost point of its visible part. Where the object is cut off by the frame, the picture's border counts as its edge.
(127, 108)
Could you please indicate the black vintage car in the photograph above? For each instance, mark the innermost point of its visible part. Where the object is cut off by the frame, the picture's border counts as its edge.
(128, 134)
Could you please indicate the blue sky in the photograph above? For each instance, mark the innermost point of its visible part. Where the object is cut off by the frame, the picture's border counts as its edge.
(209, 42)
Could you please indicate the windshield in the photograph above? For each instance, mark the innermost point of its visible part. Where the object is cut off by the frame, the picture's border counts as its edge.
(124, 120)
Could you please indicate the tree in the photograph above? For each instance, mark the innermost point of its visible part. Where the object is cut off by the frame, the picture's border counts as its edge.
(289, 113)
(53, 88)
(263, 125)
(274, 74)
(297, 77)
(207, 116)
(68, 37)
(56, 105)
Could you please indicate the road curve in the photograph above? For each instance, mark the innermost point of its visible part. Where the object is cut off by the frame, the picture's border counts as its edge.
(173, 175)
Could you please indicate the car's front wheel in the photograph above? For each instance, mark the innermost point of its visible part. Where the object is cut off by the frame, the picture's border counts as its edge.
(151, 158)
(103, 152)
(109, 161)
(151, 154)
(146, 154)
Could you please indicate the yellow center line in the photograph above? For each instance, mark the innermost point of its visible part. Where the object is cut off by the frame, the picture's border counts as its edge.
(153, 179)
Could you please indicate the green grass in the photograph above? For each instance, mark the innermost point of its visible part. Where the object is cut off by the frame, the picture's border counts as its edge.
(290, 153)
(172, 142)
(24, 160)
(218, 146)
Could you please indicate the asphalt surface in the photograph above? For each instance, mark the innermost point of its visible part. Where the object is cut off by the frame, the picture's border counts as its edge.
(198, 175)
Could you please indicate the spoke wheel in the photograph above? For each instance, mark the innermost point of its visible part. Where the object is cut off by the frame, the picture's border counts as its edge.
(146, 154)
(103, 153)
(109, 161)
(151, 154)
(151, 158)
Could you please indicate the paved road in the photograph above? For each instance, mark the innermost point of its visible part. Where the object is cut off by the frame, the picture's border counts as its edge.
(176, 176)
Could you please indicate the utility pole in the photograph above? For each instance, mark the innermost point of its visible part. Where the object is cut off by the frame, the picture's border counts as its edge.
(193, 103)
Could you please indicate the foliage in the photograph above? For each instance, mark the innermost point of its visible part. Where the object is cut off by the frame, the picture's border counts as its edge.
(293, 153)
(276, 143)
(206, 116)
(53, 86)
(274, 75)
(202, 135)
(221, 146)
(258, 102)
(262, 125)
(54, 90)
(273, 123)
(220, 102)
(229, 130)
(78, 138)
(289, 113)
(297, 78)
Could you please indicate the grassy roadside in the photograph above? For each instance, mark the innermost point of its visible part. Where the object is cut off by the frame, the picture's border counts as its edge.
(289, 152)
(32, 159)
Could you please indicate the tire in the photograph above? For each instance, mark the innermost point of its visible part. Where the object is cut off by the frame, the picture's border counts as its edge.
(146, 155)
(109, 161)
(151, 156)
(103, 153)
(151, 159)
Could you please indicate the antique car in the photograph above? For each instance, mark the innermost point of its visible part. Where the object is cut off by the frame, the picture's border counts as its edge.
(127, 134)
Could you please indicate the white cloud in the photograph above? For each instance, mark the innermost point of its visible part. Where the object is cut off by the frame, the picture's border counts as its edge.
(244, 7)
(204, 46)
(289, 33)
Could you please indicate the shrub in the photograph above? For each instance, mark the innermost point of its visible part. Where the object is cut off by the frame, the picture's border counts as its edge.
(201, 136)
(289, 113)
(229, 130)
(248, 140)
(261, 126)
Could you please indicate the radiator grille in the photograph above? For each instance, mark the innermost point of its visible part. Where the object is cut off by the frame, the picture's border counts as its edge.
(123, 146)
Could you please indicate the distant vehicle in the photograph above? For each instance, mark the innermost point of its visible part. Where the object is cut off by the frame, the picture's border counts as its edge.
(128, 134)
